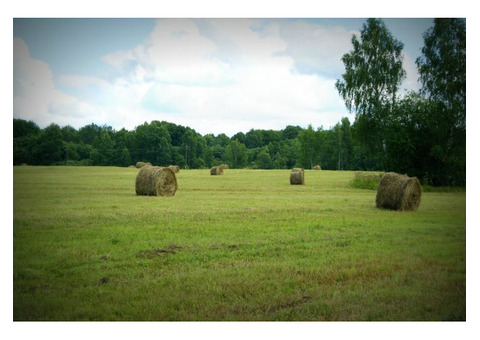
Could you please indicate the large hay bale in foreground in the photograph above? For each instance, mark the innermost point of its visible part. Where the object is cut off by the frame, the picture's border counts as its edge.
(297, 176)
(156, 181)
(175, 168)
(398, 192)
(216, 170)
(140, 165)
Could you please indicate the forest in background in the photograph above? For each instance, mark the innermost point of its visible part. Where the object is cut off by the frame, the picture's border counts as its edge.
(421, 134)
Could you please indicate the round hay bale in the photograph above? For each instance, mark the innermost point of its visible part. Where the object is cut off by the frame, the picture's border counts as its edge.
(317, 167)
(140, 165)
(224, 166)
(297, 176)
(216, 170)
(156, 181)
(398, 192)
(175, 168)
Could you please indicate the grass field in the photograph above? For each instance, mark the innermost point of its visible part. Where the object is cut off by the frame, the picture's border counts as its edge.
(243, 246)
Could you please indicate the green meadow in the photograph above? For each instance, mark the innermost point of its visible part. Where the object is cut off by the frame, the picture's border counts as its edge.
(246, 245)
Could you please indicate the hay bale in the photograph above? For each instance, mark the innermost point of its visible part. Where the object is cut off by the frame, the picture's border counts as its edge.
(175, 168)
(216, 170)
(297, 176)
(224, 166)
(398, 192)
(156, 181)
(140, 165)
(317, 167)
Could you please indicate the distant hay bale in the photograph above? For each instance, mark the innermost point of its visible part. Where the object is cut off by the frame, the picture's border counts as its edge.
(140, 165)
(297, 176)
(317, 167)
(398, 192)
(216, 170)
(175, 168)
(156, 181)
(224, 166)
(132, 166)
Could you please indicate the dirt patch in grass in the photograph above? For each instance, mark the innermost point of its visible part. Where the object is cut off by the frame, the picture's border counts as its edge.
(150, 253)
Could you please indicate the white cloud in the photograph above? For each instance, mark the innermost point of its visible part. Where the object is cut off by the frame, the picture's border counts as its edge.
(35, 96)
(212, 75)
(222, 76)
(32, 82)
(317, 49)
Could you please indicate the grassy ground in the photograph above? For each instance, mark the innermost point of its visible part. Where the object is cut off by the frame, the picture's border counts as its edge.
(243, 246)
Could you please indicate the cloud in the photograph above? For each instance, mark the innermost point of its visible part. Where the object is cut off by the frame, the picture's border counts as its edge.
(225, 76)
(35, 96)
(32, 81)
(316, 49)
(216, 76)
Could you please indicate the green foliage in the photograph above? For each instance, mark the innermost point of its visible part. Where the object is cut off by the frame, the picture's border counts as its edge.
(124, 159)
(366, 180)
(22, 128)
(236, 154)
(310, 147)
(442, 69)
(154, 143)
(373, 70)
(49, 147)
(369, 86)
(263, 160)
(421, 134)
(102, 149)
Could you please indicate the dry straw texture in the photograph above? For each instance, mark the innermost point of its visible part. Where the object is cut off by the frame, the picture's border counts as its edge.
(224, 166)
(398, 192)
(140, 165)
(156, 181)
(297, 176)
(175, 168)
(216, 170)
(317, 167)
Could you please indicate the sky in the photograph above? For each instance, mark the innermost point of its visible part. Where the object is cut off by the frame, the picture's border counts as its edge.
(213, 75)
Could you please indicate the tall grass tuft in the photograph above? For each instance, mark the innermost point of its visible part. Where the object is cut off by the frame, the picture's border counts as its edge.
(363, 180)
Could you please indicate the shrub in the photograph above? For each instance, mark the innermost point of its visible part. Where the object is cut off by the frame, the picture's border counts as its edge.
(366, 180)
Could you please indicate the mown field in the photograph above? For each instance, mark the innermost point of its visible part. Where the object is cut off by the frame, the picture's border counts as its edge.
(242, 246)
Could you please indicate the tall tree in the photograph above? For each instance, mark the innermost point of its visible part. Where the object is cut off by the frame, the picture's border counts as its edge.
(154, 143)
(264, 160)
(24, 140)
(102, 149)
(309, 153)
(442, 69)
(87, 133)
(254, 139)
(194, 150)
(369, 86)
(50, 148)
(22, 128)
(236, 154)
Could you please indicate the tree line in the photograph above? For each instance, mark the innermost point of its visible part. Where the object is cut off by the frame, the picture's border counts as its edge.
(421, 134)
(164, 143)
